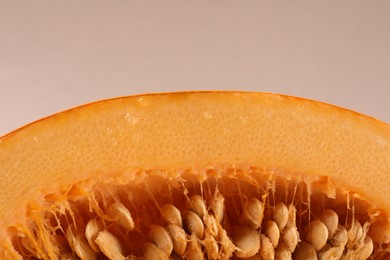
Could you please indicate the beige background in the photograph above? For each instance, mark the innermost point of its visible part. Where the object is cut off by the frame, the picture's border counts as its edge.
(58, 54)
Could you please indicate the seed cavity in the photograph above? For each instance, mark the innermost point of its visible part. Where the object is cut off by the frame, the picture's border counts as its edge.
(199, 216)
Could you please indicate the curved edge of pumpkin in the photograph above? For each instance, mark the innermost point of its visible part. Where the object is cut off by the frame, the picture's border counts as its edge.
(376, 121)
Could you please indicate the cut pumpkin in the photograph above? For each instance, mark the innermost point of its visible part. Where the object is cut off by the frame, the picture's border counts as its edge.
(197, 175)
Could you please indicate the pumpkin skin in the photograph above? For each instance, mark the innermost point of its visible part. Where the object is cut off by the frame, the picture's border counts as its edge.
(197, 130)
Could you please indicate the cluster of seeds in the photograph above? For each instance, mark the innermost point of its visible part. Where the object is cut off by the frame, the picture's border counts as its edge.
(98, 239)
(198, 233)
(217, 223)
(195, 233)
(325, 238)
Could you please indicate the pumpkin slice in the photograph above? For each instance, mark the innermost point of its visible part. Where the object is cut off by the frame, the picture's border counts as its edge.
(197, 175)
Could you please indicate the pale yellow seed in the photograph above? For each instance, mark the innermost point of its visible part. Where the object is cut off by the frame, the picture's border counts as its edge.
(211, 246)
(331, 221)
(218, 206)
(78, 244)
(282, 253)
(252, 214)
(194, 250)
(153, 252)
(355, 233)
(267, 251)
(340, 238)
(365, 250)
(198, 205)
(281, 215)
(305, 251)
(290, 237)
(332, 253)
(366, 228)
(272, 232)
(246, 240)
(179, 238)
(109, 245)
(317, 234)
(211, 224)
(161, 237)
(292, 216)
(171, 215)
(92, 230)
(119, 213)
(193, 224)
(70, 233)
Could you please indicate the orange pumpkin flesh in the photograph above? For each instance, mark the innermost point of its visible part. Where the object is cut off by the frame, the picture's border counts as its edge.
(147, 151)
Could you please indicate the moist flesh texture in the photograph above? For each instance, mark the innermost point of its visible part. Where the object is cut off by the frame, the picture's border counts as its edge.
(215, 213)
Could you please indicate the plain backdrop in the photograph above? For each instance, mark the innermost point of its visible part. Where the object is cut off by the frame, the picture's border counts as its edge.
(58, 54)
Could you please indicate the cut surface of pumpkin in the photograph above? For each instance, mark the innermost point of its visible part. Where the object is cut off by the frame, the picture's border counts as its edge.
(200, 175)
